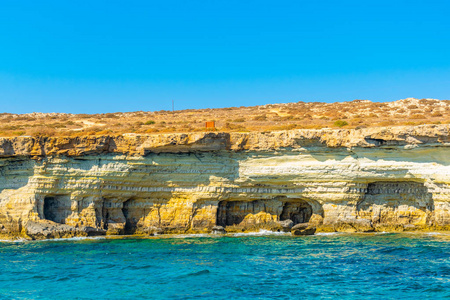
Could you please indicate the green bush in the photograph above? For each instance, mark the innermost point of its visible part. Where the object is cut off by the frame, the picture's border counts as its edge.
(151, 122)
(340, 123)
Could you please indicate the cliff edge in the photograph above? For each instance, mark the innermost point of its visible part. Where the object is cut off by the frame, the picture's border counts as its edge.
(143, 144)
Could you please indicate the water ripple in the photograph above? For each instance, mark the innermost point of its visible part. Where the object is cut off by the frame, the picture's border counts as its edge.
(262, 266)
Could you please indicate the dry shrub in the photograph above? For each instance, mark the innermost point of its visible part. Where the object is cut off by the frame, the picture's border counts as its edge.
(260, 118)
(25, 118)
(42, 131)
(386, 123)
(111, 116)
(436, 114)
(428, 101)
(85, 116)
(104, 132)
(56, 125)
(234, 127)
(355, 121)
(151, 130)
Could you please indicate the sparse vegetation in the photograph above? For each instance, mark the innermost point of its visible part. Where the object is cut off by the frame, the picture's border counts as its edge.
(340, 123)
(300, 115)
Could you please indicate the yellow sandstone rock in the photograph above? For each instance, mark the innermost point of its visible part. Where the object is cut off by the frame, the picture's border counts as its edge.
(373, 179)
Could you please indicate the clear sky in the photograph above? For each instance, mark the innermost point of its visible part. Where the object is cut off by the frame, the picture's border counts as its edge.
(108, 56)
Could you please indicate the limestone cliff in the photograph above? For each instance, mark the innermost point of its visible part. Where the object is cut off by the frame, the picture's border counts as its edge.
(372, 179)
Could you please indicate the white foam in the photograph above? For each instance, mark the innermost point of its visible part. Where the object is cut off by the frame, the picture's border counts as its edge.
(328, 233)
(436, 233)
(260, 232)
(77, 238)
(21, 240)
(192, 235)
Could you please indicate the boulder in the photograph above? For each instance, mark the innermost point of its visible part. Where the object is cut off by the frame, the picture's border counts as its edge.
(92, 231)
(286, 225)
(303, 229)
(409, 227)
(45, 229)
(218, 230)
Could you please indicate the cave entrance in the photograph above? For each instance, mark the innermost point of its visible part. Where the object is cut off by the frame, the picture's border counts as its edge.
(397, 202)
(235, 212)
(130, 213)
(57, 208)
(298, 211)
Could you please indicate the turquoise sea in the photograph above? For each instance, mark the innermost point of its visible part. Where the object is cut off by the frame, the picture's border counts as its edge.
(326, 266)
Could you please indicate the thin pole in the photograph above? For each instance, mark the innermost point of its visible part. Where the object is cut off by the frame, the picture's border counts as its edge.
(172, 107)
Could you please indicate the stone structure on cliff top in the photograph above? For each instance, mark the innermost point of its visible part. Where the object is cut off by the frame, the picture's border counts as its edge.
(371, 179)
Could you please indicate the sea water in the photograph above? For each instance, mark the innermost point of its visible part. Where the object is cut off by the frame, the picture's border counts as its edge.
(257, 266)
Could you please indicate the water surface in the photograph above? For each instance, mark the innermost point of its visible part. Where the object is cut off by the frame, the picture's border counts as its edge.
(327, 266)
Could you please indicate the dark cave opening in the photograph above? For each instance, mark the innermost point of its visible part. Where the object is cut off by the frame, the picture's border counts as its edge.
(297, 211)
(234, 212)
(57, 208)
(129, 212)
(50, 208)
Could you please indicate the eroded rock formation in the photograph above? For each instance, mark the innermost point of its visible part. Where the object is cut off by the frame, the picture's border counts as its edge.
(374, 179)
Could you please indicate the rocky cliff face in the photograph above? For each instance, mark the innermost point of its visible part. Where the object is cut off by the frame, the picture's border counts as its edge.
(373, 179)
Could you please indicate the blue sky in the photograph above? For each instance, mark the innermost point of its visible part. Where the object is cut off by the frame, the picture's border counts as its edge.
(108, 56)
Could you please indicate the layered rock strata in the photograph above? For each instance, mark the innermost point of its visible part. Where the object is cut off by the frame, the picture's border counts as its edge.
(372, 179)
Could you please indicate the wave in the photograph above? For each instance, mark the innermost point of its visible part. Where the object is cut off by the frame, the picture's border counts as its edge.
(190, 235)
(260, 233)
(202, 272)
(77, 238)
(327, 233)
(21, 240)
(436, 233)
(193, 274)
